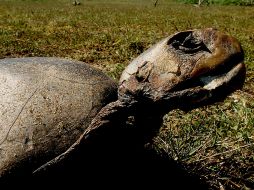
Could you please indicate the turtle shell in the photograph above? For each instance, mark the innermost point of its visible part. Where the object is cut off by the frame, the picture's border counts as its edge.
(45, 105)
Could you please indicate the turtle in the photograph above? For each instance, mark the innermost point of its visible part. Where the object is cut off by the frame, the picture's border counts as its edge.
(58, 113)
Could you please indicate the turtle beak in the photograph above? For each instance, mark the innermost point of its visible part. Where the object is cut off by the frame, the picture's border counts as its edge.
(217, 71)
(211, 82)
(223, 64)
(208, 90)
(220, 62)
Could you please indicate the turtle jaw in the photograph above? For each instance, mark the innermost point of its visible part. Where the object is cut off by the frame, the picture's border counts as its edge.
(216, 74)
(217, 81)
(205, 89)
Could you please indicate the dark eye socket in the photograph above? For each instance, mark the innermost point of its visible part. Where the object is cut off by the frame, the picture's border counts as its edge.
(187, 43)
(179, 37)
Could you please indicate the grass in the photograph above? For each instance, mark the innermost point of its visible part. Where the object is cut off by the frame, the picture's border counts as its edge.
(221, 2)
(216, 141)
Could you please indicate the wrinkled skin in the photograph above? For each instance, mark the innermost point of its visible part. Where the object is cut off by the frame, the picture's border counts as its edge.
(185, 70)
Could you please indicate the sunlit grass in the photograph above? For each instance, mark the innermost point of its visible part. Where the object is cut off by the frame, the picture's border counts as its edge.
(215, 141)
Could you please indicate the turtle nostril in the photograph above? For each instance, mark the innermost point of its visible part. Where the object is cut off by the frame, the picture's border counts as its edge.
(144, 72)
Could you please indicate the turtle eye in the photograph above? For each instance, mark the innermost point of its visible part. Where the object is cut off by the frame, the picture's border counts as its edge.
(187, 43)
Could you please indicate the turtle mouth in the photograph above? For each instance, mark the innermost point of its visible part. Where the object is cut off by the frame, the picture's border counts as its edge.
(218, 65)
(218, 79)
(206, 88)
(230, 74)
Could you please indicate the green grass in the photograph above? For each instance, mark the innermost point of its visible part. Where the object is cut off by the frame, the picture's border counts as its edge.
(221, 2)
(216, 141)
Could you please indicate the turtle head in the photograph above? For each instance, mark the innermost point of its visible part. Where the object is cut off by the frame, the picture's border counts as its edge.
(185, 69)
